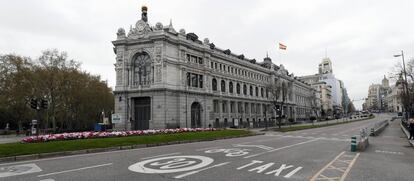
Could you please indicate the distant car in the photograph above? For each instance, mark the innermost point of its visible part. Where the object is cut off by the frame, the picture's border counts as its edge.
(400, 114)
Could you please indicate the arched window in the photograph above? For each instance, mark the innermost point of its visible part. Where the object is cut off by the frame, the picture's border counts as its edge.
(238, 88)
(223, 86)
(244, 89)
(251, 90)
(214, 84)
(257, 91)
(142, 69)
(231, 87)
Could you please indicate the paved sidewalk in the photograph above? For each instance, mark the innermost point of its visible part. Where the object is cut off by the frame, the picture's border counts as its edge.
(388, 157)
(407, 133)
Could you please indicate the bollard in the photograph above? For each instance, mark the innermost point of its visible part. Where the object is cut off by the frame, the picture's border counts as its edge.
(353, 143)
(372, 132)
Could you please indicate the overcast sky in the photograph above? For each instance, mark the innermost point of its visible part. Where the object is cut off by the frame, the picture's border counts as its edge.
(360, 36)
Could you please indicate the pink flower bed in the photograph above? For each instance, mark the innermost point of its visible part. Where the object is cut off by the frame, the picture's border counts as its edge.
(92, 134)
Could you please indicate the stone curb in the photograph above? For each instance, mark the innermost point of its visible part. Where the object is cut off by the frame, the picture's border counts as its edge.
(98, 150)
(407, 134)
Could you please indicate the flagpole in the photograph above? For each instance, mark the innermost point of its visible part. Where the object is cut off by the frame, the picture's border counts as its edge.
(280, 54)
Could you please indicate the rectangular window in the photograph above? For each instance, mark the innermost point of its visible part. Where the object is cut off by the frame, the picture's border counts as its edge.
(194, 59)
(232, 107)
(224, 108)
(212, 64)
(239, 107)
(200, 60)
(246, 107)
(215, 106)
(188, 79)
(194, 81)
(200, 81)
(188, 58)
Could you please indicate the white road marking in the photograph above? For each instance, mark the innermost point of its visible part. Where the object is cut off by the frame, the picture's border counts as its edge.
(276, 172)
(176, 153)
(389, 152)
(277, 149)
(196, 171)
(262, 168)
(171, 164)
(77, 169)
(14, 170)
(279, 170)
(47, 179)
(292, 172)
(257, 146)
(251, 163)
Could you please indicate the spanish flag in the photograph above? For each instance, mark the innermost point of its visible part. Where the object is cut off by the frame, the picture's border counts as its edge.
(282, 46)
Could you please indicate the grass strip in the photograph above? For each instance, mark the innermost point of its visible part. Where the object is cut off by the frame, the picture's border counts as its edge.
(15, 149)
(303, 127)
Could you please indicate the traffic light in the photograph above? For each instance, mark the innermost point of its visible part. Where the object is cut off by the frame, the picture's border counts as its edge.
(33, 103)
(44, 104)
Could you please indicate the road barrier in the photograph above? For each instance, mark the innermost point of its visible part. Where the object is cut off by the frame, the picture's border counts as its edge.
(378, 127)
(353, 143)
(362, 143)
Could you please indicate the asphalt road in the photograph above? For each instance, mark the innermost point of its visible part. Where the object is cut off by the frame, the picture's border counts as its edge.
(315, 154)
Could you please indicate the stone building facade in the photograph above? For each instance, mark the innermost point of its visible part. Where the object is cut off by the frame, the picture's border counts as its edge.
(335, 97)
(168, 79)
(393, 98)
(377, 94)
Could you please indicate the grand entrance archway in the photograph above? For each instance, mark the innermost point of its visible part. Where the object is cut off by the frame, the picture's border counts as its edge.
(195, 115)
(142, 113)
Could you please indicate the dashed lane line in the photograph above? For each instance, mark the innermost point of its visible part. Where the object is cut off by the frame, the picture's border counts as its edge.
(74, 170)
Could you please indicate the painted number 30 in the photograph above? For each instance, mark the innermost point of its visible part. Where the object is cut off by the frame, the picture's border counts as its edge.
(231, 152)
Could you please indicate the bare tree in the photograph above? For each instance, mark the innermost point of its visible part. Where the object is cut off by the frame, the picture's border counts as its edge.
(408, 88)
(314, 106)
(278, 95)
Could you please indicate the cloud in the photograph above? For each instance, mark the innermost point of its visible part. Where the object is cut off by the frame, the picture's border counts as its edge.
(360, 36)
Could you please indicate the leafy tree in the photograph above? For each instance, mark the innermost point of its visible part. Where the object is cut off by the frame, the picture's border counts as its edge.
(76, 98)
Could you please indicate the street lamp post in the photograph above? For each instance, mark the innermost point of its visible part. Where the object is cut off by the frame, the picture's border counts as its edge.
(405, 81)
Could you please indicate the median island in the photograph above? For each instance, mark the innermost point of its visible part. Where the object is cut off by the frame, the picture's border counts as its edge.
(298, 127)
(68, 147)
